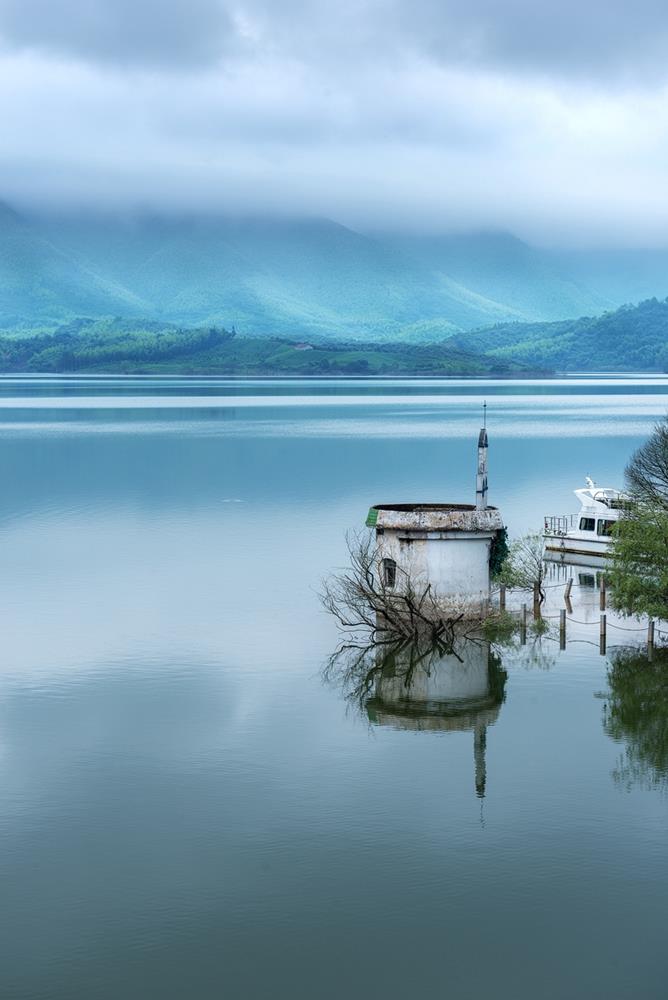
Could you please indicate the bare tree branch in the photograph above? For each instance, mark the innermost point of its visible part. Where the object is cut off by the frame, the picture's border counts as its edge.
(647, 471)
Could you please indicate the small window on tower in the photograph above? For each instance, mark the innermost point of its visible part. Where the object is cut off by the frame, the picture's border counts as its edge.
(389, 572)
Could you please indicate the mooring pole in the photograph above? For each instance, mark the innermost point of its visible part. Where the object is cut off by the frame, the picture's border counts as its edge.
(601, 595)
(602, 636)
(523, 628)
(567, 592)
(502, 597)
(650, 638)
(562, 629)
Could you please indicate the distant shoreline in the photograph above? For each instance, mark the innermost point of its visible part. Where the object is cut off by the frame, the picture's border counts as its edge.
(286, 377)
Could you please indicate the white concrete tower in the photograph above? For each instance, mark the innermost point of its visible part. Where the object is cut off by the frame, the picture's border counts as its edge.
(446, 546)
(481, 481)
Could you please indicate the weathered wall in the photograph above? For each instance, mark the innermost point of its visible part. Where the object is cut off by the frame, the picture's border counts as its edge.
(456, 565)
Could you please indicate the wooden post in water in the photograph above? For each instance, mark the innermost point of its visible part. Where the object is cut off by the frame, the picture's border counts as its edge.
(502, 597)
(601, 597)
(567, 596)
(562, 629)
(602, 636)
(523, 628)
(536, 600)
(650, 639)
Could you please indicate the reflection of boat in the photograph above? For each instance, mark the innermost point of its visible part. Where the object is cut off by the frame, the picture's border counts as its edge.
(589, 532)
(574, 559)
(458, 691)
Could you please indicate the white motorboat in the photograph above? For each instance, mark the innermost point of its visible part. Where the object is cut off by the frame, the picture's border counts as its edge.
(589, 532)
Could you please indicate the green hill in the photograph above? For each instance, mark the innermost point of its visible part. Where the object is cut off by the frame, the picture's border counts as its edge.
(129, 347)
(632, 338)
(39, 281)
(287, 277)
(535, 284)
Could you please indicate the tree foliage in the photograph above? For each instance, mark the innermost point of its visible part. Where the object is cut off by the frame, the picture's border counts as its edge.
(498, 552)
(638, 575)
(524, 564)
(639, 570)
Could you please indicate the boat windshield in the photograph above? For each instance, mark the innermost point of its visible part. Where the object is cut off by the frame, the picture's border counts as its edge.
(611, 498)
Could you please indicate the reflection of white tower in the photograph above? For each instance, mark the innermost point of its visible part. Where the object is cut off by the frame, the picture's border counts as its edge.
(479, 755)
(445, 692)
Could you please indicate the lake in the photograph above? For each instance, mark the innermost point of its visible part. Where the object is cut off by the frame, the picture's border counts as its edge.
(188, 808)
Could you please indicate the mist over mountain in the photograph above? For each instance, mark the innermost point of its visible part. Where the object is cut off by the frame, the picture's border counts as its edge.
(301, 277)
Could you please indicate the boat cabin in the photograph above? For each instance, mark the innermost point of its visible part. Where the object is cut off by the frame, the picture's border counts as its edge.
(589, 532)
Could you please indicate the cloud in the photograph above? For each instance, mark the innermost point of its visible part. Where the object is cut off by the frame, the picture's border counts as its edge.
(550, 121)
(146, 33)
(597, 39)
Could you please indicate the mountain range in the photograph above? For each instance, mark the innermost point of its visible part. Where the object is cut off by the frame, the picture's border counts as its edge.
(300, 278)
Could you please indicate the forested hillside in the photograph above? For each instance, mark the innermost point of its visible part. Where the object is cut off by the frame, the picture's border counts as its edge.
(291, 277)
(320, 281)
(121, 346)
(632, 338)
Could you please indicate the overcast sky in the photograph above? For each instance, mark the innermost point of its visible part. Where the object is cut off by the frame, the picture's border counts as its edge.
(546, 118)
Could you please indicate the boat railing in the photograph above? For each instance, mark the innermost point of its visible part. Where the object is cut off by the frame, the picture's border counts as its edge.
(559, 524)
(620, 501)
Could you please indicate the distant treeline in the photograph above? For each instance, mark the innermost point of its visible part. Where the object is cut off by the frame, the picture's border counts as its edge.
(125, 347)
(632, 338)
(84, 346)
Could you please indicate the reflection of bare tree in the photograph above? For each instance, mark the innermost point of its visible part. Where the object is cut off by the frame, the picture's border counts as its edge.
(420, 686)
(637, 713)
(530, 651)
(357, 667)
(408, 661)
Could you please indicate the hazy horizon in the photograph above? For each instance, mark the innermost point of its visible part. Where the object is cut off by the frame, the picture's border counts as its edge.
(546, 122)
(131, 212)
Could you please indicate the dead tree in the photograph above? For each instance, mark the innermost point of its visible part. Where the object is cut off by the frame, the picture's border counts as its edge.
(647, 472)
(366, 605)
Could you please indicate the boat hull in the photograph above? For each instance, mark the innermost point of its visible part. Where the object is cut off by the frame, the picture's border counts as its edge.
(573, 546)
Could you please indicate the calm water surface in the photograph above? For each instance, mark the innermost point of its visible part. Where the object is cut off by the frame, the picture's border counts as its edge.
(188, 810)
